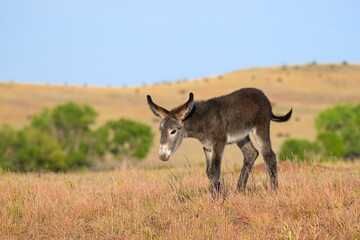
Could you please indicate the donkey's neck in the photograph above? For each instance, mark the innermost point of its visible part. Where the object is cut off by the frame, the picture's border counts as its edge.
(195, 125)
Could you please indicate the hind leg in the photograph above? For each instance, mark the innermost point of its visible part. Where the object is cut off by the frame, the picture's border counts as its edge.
(250, 154)
(262, 137)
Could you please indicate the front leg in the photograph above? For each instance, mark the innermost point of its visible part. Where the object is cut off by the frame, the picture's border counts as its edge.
(213, 169)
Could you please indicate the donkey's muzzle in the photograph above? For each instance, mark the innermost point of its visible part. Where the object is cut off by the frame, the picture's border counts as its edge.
(164, 157)
(164, 153)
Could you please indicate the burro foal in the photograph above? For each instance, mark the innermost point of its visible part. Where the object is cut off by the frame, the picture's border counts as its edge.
(220, 121)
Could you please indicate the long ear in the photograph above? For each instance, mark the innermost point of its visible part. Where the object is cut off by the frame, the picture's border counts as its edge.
(185, 109)
(157, 110)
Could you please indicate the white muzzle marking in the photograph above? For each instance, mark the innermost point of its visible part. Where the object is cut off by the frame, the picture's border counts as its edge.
(164, 153)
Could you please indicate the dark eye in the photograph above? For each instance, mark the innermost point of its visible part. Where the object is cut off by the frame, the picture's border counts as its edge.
(173, 132)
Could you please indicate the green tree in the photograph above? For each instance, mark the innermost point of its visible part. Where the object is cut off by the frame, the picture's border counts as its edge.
(344, 121)
(8, 151)
(330, 145)
(62, 139)
(29, 150)
(298, 150)
(338, 135)
(70, 125)
(127, 139)
(38, 150)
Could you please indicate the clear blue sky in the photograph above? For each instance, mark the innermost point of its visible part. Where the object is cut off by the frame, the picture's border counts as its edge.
(143, 42)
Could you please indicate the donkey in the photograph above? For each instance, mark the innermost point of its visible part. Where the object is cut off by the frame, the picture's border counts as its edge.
(220, 121)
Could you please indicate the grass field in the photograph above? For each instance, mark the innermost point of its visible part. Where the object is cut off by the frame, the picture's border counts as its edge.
(313, 202)
(308, 89)
(161, 202)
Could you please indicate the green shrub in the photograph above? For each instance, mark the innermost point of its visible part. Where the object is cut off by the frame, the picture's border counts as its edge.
(338, 136)
(8, 150)
(38, 150)
(29, 150)
(344, 121)
(298, 150)
(69, 124)
(61, 139)
(330, 145)
(127, 138)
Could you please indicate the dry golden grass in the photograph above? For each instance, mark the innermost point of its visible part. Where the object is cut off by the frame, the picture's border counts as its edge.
(313, 202)
(307, 88)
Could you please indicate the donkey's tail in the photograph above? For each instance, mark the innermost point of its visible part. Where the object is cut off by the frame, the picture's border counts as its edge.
(281, 118)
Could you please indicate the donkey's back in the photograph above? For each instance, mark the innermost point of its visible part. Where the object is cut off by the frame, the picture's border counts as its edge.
(234, 115)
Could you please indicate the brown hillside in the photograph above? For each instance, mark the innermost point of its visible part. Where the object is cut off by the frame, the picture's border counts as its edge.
(307, 89)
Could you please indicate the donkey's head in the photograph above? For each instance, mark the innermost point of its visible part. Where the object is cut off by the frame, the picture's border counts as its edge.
(171, 126)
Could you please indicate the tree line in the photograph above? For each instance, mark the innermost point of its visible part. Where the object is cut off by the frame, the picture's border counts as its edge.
(338, 136)
(64, 139)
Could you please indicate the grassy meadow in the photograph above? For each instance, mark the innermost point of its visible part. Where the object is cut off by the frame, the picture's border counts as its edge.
(313, 202)
(154, 200)
(308, 89)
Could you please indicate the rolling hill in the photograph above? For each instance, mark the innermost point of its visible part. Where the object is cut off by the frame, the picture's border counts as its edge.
(306, 88)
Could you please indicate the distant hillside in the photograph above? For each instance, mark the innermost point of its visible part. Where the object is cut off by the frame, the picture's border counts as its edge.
(306, 88)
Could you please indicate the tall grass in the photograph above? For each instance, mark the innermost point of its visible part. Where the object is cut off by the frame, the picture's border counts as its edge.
(313, 202)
